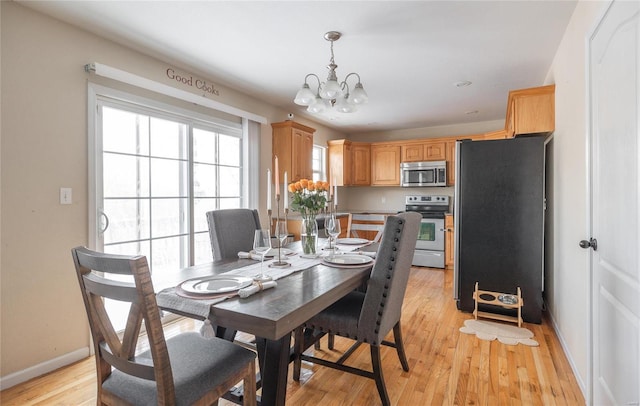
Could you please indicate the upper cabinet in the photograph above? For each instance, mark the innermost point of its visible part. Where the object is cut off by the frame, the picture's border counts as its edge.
(451, 163)
(293, 144)
(423, 151)
(340, 162)
(349, 163)
(531, 111)
(361, 164)
(385, 165)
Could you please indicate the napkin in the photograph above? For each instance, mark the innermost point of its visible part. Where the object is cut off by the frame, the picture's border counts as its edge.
(251, 255)
(256, 287)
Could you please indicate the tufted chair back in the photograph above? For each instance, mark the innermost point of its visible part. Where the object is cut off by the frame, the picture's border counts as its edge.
(388, 282)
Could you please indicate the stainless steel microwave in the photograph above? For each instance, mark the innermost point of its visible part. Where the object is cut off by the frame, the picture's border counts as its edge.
(429, 173)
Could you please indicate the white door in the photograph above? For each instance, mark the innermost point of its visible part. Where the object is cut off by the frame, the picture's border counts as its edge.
(615, 199)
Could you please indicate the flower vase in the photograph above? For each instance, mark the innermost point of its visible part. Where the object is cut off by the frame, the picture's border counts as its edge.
(309, 235)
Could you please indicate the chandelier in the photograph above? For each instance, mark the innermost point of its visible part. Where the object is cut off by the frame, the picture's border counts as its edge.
(331, 94)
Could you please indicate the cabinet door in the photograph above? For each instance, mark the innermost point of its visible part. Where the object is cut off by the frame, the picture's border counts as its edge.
(412, 152)
(449, 241)
(292, 143)
(361, 164)
(385, 165)
(451, 163)
(306, 155)
(531, 111)
(340, 166)
(435, 151)
(297, 157)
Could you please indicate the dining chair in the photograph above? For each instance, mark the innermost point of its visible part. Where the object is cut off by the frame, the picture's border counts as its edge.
(367, 317)
(232, 231)
(182, 370)
(365, 223)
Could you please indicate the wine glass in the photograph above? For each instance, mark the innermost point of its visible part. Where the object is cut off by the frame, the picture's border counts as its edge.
(261, 245)
(333, 229)
(282, 233)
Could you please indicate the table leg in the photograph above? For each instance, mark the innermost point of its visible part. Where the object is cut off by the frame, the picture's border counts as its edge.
(273, 356)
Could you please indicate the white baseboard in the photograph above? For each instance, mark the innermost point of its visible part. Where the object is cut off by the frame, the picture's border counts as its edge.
(567, 354)
(43, 368)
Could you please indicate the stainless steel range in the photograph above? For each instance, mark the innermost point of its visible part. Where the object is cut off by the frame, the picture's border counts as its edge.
(430, 245)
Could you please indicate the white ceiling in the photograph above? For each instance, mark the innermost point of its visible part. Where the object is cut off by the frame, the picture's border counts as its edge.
(409, 54)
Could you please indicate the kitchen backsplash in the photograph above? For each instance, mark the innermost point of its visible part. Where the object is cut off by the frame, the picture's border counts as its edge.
(369, 198)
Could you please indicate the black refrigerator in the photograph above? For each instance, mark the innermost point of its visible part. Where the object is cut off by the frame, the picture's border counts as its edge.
(499, 222)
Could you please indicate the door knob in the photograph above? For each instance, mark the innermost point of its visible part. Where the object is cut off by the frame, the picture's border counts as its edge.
(593, 243)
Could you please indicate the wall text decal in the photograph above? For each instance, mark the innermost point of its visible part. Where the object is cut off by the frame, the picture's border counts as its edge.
(190, 81)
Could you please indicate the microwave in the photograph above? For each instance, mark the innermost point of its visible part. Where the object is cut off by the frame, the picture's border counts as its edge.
(430, 173)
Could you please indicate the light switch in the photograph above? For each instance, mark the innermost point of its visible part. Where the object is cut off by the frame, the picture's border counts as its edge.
(65, 195)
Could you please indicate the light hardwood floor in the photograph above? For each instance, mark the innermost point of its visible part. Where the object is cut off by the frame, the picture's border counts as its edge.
(447, 367)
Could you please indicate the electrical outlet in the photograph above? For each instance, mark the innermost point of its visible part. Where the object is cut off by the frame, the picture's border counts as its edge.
(65, 195)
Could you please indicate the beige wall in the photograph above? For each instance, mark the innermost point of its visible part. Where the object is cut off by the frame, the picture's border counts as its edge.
(44, 147)
(568, 279)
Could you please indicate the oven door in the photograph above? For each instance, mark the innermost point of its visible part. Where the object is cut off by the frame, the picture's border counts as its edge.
(431, 235)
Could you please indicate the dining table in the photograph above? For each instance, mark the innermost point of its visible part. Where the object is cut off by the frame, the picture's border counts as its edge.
(271, 314)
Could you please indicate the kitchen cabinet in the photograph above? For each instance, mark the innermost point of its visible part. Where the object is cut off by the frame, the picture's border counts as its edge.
(361, 164)
(448, 240)
(424, 151)
(385, 164)
(292, 143)
(340, 162)
(531, 111)
(451, 162)
(349, 162)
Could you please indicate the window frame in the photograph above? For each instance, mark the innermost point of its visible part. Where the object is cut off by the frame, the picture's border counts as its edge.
(98, 94)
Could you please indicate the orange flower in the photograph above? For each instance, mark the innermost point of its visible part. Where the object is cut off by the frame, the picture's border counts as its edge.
(304, 183)
(298, 186)
(292, 187)
(311, 186)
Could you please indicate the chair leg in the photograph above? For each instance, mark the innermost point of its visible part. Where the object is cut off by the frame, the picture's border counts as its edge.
(377, 375)
(397, 337)
(331, 341)
(249, 383)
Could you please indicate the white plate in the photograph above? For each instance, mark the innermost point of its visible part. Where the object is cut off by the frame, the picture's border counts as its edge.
(348, 259)
(273, 252)
(352, 241)
(216, 284)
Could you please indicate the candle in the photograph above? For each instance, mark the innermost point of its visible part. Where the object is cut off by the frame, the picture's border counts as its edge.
(277, 178)
(335, 192)
(285, 191)
(268, 189)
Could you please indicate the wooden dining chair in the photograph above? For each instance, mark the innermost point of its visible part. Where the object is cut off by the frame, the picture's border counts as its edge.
(366, 225)
(232, 231)
(367, 317)
(183, 370)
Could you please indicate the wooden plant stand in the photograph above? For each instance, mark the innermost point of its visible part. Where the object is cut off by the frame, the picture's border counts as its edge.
(477, 296)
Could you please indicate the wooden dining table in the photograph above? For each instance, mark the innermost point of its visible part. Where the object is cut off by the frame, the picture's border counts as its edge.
(271, 315)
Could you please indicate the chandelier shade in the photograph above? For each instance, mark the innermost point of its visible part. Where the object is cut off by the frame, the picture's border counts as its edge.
(331, 94)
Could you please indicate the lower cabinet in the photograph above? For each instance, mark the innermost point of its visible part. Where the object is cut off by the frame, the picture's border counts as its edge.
(448, 240)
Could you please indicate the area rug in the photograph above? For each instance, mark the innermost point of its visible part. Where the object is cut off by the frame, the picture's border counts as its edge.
(506, 334)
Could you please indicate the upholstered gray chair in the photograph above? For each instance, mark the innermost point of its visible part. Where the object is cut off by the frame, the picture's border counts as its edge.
(231, 231)
(367, 317)
(183, 370)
